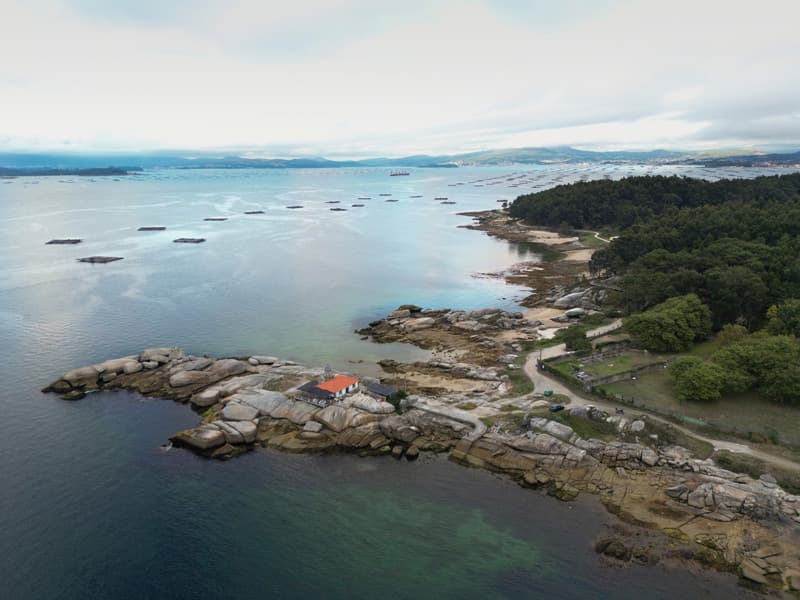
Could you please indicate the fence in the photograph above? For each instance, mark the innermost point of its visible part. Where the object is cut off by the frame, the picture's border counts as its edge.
(766, 433)
(592, 388)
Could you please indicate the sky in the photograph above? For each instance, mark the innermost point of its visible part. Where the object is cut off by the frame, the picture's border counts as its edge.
(354, 78)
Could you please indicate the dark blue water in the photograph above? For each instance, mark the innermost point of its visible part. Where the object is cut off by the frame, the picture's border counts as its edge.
(90, 507)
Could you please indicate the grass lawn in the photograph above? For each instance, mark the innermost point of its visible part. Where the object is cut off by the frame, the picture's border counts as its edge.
(743, 413)
(704, 349)
(566, 368)
(586, 428)
(588, 240)
(521, 384)
(620, 364)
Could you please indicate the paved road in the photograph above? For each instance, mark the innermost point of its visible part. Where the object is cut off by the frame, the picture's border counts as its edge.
(543, 381)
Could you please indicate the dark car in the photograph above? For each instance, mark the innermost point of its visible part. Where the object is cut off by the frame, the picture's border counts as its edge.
(555, 407)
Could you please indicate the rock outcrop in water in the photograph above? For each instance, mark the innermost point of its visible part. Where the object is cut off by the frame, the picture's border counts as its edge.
(723, 518)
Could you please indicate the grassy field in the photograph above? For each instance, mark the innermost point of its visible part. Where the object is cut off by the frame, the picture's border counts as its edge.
(587, 239)
(704, 349)
(521, 384)
(742, 413)
(620, 364)
(566, 368)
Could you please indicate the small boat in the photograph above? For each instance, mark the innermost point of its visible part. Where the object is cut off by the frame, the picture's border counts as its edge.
(189, 240)
(254, 212)
(332, 201)
(365, 198)
(215, 219)
(295, 206)
(357, 205)
(391, 199)
(415, 196)
(152, 228)
(384, 194)
(440, 198)
(447, 202)
(399, 173)
(338, 209)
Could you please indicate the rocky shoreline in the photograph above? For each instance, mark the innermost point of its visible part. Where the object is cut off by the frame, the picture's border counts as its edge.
(723, 519)
(544, 278)
(463, 403)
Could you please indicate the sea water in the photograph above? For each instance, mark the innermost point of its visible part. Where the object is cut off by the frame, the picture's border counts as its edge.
(92, 507)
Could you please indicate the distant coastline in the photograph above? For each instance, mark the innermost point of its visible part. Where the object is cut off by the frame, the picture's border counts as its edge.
(48, 172)
(75, 164)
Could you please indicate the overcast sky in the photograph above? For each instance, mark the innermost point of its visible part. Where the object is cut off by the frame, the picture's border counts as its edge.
(369, 77)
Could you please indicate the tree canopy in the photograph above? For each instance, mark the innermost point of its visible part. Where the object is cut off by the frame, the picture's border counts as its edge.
(767, 364)
(673, 325)
(733, 243)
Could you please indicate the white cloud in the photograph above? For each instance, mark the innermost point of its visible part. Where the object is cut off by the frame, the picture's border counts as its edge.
(364, 77)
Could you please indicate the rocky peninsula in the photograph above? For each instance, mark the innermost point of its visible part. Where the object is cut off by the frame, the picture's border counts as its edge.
(465, 402)
(721, 518)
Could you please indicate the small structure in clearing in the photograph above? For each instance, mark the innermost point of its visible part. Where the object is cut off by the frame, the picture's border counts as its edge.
(329, 391)
(380, 391)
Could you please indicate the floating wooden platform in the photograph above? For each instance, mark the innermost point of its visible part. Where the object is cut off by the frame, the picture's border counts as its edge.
(152, 228)
(215, 219)
(189, 240)
(64, 241)
(99, 259)
(254, 212)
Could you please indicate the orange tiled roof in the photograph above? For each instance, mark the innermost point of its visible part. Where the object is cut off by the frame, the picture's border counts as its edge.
(337, 384)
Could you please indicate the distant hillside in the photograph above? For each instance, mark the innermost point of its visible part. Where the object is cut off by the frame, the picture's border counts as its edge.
(750, 160)
(46, 172)
(541, 156)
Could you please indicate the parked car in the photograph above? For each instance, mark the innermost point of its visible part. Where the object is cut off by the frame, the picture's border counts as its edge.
(556, 407)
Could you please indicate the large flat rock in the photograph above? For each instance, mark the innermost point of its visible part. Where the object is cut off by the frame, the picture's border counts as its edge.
(265, 401)
(371, 405)
(235, 411)
(336, 417)
(202, 438)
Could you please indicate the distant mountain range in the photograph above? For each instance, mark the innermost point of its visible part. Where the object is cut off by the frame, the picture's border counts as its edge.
(31, 163)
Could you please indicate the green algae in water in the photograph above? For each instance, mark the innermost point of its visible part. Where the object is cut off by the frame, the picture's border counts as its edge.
(414, 547)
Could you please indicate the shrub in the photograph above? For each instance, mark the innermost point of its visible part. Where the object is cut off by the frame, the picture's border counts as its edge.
(575, 339)
(702, 382)
(396, 398)
(732, 332)
(682, 364)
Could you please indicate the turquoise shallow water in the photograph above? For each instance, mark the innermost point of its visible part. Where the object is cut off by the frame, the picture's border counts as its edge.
(91, 508)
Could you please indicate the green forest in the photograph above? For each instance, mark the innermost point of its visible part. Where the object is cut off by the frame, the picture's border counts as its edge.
(697, 257)
(733, 243)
